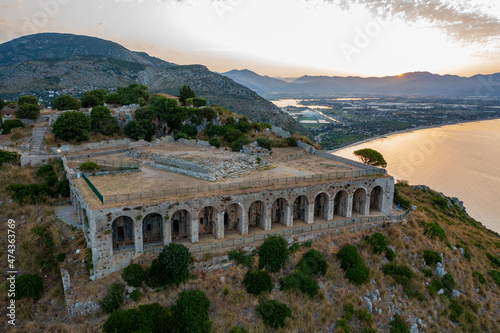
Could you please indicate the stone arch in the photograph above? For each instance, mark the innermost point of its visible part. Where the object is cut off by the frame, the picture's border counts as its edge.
(208, 220)
(152, 228)
(123, 232)
(359, 201)
(340, 203)
(233, 215)
(300, 205)
(321, 205)
(376, 199)
(257, 214)
(181, 224)
(278, 211)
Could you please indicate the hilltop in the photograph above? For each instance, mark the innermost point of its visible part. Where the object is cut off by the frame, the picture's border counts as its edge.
(468, 301)
(75, 64)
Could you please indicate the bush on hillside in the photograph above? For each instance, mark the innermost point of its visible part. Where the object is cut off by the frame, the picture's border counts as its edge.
(28, 285)
(257, 282)
(448, 282)
(433, 230)
(215, 142)
(10, 124)
(32, 193)
(358, 274)
(171, 267)
(113, 299)
(7, 157)
(191, 312)
(133, 274)
(348, 256)
(89, 166)
(397, 325)
(151, 318)
(273, 254)
(240, 257)
(66, 102)
(238, 329)
(72, 125)
(389, 254)
(273, 313)
(480, 277)
(431, 257)
(28, 111)
(63, 188)
(265, 143)
(378, 242)
(395, 270)
(313, 262)
(495, 275)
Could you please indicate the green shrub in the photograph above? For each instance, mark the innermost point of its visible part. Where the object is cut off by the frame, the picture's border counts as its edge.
(238, 144)
(307, 244)
(389, 254)
(348, 311)
(397, 325)
(136, 295)
(495, 261)
(191, 312)
(28, 285)
(348, 256)
(171, 267)
(291, 141)
(308, 285)
(480, 277)
(238, 329)
(495, 275)
(27, 99)
(420, 296)
(72, 125)
(290, 282)
(393, 269)
(437, 284)
(65, 102)
(427, 273)
(28, 111)
(233, 134)
(273, 313)
(151, 318)
(358, 274)
(61, 257)
(257, 281)
(89, 166)
(32, 193)
(7, 157)
(294, 248)
(215, 142)
(368, 330)
(44, 235)
(455, 311)
(313, 262)
(273, 254)
(448, 282)
(431, 257)
(133, 274)
(113, 299)
(343, 325)
(10, 124)
(433, 230)
(63, 188)
(377, 241)
(265, 143)
(240, 258)
(363, 315)
(181, 135)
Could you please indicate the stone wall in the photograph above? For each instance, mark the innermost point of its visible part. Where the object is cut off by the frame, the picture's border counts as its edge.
(231, 212)
(280, 132)
(37, 160)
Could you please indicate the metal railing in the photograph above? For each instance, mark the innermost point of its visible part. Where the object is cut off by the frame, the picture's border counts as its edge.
(155, 194)
(286, 232)
(93, 188)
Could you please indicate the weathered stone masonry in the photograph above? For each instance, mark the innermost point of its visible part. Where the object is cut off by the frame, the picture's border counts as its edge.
(118, 235)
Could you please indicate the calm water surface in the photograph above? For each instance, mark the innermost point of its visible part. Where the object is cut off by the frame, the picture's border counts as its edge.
(460, 160)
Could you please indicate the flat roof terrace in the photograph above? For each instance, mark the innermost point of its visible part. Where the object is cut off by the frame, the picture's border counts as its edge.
(235, 171)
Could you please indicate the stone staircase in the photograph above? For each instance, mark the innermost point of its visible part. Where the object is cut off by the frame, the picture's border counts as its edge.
(37, 136)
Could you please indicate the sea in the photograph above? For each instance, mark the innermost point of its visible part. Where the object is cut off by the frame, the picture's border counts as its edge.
(460, 160)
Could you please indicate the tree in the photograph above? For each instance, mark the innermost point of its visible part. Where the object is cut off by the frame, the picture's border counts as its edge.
(371, 157)
(133, 94)
(273, 254)
(191, 312)
(28, 111)
(66, 102)
(112, 98)
(186, 92)
(72, 125)
(102, 121)
(28, 99)
(10, 124)
(93, 98)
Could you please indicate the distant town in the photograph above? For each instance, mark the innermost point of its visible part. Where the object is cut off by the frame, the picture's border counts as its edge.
(341, 121)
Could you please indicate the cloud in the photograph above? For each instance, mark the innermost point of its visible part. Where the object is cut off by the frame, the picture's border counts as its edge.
(462, 22)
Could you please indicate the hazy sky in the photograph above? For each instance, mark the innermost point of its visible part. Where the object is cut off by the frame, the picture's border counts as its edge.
(282, 37)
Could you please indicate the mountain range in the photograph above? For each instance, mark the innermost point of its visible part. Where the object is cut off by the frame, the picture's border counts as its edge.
(415, 84)
(75, 63)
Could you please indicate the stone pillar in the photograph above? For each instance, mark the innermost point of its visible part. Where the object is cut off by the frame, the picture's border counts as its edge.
(329, 209)
(288, 216)
(167, 232)
(244, 222)
(267, 218)
(194, 230)
(348, 209)
(366, 208)
(139, 245)
(219, 227)
(309, 215)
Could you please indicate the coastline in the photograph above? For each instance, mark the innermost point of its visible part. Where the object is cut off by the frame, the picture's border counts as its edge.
(409, 130)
